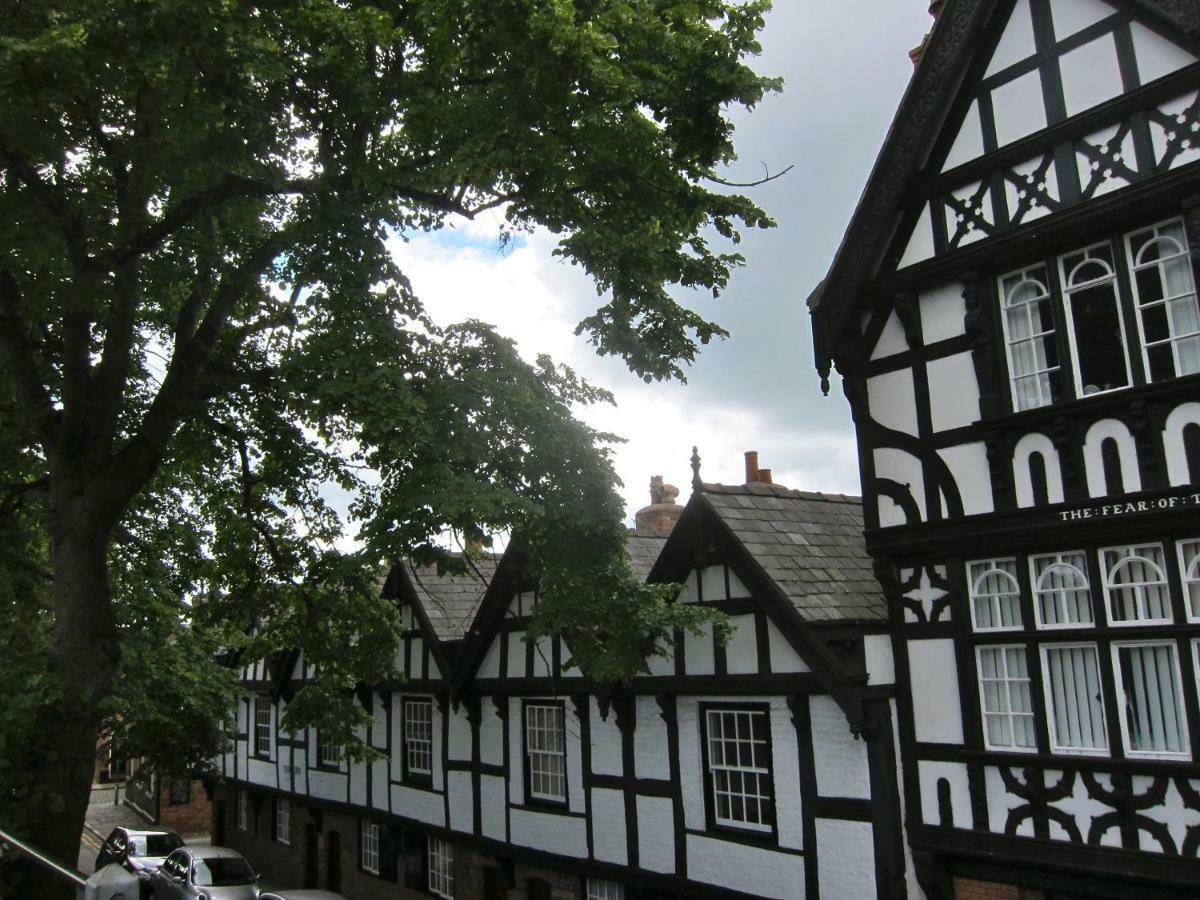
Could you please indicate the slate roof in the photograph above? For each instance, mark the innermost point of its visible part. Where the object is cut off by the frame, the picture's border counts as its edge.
(809, 544)
(644, 547)
(450, 601)
(933, 87)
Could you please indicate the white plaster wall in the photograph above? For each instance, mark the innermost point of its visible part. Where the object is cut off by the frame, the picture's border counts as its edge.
(1094, 460)
(712, 583)
(460, 735)
(1090, 74)
(656, 834)
(892, 401)
(915, 891)
(1000, 802)
(1156, 56)
(1071, 16)
(968, 145)
(516, 655)
(846, 851)
(933, 679)
(759, 872)
(1082, 809)
(663, 665)
(920, 243)
(650, 757)
(943, 312)
(741, 653)
(575, 791)
(327, 785)
(1018, 108)
(881, 669)
(688, 593)
(462, 800)
(1025, 447)
(1176, 815)
(438, 774)
(261, 771)
(490, 667)
(550, 833)
(543, 658)
(1177, 465)
(691, 777)
(840, 760)
(891, 339)
(900, 466)
(960, 795)
(736, 588)
(491, 734)
(516, 755)
(953, 392)
(424, 806)
(606, 742)
(968, 465)
(698, 651)
(1016, 43)
(784, 657)
(608, 826)
(379, 729)
(358, 784)
(418, 653)
(379, 784)
(493, 811)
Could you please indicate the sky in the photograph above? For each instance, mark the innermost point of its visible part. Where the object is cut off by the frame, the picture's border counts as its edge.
(845, 66)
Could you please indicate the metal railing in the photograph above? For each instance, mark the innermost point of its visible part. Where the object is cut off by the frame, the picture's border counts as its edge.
(36, 856)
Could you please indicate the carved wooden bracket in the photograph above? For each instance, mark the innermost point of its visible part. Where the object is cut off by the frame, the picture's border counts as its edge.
(978, 326)
(582, 704)
(500, 703)
(905, 304)
(472, 706)
(666, 708)
(625, 707)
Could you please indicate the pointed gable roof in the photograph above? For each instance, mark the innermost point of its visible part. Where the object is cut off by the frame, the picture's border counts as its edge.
(448, 600)
(951, 49)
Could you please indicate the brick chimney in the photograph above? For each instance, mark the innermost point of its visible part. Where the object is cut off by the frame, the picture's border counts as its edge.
(755, 475)
(663, 512)
(915, 54)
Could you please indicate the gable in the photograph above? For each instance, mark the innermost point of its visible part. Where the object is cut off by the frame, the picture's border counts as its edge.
(1067, 101)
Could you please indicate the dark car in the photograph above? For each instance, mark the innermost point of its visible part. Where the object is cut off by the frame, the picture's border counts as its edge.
(139, 852)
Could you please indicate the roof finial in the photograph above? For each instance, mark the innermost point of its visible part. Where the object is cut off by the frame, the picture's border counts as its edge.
(697, 484)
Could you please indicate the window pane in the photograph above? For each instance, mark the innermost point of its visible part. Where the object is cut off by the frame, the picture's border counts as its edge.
(1005, 694)
(545, 742)
(995, 594)
(1189, 564)
(1029, 333)
(1076, 707)
(1136, 584)
(1149, 678)
(1166, 297)
(1060, 589)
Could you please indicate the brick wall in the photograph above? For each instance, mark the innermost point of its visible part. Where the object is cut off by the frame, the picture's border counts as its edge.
(188, 818)
(970, 889)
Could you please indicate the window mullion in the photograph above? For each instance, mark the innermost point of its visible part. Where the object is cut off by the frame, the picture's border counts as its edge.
(1137, 363)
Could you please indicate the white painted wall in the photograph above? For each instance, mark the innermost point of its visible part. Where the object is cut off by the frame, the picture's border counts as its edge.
(891, 339)
(953, 392)
(609, 838)
(656, 834)
(960, 795)
(902, 467)
(933, 680)
(650, 756)
(1023, 482)
(943, 312)
(892, 401)
(754, 870)
(784, 657)
(846, 851)
(462, 799)
(1172, 437)
(549, 832)
(698, 651)
(968, 465)
(840, 759)
(1094, 461)
(741, 652)
(491, 734)
(493, 810)
(877, 649)
(460, 735)
(606, 741)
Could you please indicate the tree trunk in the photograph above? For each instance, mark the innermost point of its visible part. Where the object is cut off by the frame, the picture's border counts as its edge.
(85, 656)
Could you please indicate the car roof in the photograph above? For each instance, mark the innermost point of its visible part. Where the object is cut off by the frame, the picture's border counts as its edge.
(139, 832)
(207, 851)
(300, 895)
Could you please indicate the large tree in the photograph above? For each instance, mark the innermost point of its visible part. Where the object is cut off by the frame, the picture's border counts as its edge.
(201, 328)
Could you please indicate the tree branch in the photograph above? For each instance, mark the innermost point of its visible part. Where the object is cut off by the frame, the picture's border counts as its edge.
(52, 201)
(24, 362)
(747, 184)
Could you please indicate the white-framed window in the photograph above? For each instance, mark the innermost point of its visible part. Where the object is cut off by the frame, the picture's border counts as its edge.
(1061, 594)
(739, 778)
(1096, 329)
(1150, 699)
(262, 726)
(283, 820)
(1160, 269)
(546, 751)
(1135, 585)
(995, 594)
(368, 847)
(418, 737)
(441, 868)
(1028, 320)
(242, 808)
(1189, 576)
(603, 889)
(329, 754)
(1005, 697)
(1074, 698)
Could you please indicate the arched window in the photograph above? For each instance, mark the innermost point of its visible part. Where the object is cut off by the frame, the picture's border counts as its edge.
(1166, 297)
(1097, 332)
(1061, 594)
(1110, 455)
(1033, 364)
(995, 594)
(1037, 479)
(1189, 570)
(1191, 449)
(1135, 584)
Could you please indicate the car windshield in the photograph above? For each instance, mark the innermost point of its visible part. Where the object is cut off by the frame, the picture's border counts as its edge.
(153, 844)
(219, 871)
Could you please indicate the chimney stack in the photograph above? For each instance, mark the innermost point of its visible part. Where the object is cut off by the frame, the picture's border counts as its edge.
(915, 54)
(755, 475)
(663, 512)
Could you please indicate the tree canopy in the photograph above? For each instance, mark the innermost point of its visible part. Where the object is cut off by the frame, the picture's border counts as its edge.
(202, 329)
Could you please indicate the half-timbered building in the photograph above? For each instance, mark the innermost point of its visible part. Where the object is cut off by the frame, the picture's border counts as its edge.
(1013, 314)
(763, 766)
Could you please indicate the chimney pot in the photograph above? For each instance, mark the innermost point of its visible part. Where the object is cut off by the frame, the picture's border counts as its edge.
(751, 466)
(663, 512)
(764, 476)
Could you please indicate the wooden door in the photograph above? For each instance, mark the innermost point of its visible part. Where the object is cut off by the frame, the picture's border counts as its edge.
(333, 861)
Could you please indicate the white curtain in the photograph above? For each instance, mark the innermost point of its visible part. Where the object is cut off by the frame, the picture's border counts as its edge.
(1073, 675)
(1150, 679)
